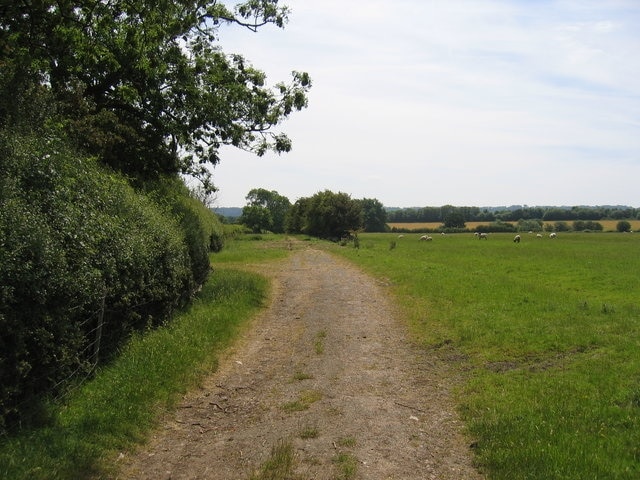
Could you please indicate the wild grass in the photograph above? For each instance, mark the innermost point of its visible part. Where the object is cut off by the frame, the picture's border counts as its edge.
(309, 431)
(299, 376)
(547, 335)
(279, 465)
(304, 401)
(347, 465)
(117, 408)
(347, 442)
(318, 343)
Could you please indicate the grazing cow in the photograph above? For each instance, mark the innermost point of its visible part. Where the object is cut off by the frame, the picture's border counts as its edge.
(516, 239)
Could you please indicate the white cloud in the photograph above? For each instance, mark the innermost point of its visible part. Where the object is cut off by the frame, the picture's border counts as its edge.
(468, 102)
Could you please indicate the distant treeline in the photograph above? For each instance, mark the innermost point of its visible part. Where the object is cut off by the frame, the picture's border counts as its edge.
(511, 214)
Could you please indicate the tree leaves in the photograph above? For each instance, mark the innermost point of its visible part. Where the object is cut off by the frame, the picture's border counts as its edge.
(147, 89)
(327, 215)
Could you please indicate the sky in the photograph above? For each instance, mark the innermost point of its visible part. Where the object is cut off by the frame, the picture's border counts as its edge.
(460, 102)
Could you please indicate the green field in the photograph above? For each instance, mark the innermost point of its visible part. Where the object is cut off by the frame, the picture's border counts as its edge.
(546, 334)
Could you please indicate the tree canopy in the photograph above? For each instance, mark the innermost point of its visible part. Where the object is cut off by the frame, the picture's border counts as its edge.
(454, 220)
(275, 204)
(374, 215)
(144, 85)
(257, 218)
(326, 215)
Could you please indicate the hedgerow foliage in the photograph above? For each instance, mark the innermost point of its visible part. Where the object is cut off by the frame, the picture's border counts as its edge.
(203, 230)
(80, 248)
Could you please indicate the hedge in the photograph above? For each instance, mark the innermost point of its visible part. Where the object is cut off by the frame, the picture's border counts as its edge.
(84, 260)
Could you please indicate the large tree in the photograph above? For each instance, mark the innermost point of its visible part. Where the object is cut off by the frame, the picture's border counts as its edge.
(374, 215)
(277, 205)
(144, 85)
(453, 219)
(257, 218)
(332, 215)
(296, 216)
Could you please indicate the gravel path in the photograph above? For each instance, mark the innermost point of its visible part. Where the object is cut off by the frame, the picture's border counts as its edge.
(327, 368)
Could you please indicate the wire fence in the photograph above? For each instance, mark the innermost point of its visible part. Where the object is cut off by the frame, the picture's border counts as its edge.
(102, 336)
(88, 359)
(90, 352)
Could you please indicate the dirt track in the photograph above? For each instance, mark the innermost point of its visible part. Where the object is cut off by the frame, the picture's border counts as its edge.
(328, 361)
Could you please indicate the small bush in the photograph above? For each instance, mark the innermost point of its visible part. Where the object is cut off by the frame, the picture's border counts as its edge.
(623, 226)
(561, 227)
(587, 225)
(496, 227)
(529, 225)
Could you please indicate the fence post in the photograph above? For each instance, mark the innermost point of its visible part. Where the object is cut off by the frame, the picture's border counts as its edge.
(96, 343)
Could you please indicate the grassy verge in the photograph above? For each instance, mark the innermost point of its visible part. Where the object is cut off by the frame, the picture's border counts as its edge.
(547, 334)
(248, 249)
(121, 404)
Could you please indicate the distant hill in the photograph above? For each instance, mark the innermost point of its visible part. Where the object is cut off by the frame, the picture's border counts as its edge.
(231, 212)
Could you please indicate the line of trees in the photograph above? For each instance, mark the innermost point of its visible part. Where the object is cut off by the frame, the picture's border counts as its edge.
(325, 214)
(336, 215)
(512, 214)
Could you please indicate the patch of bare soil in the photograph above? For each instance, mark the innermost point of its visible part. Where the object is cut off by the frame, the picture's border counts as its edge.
(328, 367)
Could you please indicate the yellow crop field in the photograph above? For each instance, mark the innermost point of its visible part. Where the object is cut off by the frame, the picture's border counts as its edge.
(607, 225)
(610, 225)
(431, 225)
